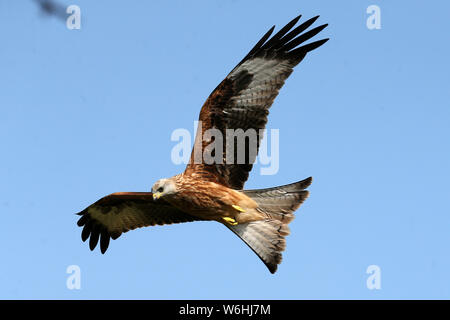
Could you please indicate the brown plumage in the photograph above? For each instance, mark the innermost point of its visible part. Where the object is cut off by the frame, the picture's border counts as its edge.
(214, 191)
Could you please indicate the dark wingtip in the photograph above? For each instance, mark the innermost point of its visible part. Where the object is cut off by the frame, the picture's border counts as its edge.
(272, 268)
(313, 19)
(104, 241)
(93, 240)
(314, 45)
(306, 182)
(86, 232)
(82, 221)
(295, 20)
(272, 43)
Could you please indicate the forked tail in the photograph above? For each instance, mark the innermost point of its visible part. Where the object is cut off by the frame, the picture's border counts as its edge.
(267, 237)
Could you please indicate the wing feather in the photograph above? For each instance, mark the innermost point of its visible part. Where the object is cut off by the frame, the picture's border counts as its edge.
(118, 213)
(242, 101)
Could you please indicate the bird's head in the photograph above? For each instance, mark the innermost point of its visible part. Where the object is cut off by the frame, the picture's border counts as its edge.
(163, 187)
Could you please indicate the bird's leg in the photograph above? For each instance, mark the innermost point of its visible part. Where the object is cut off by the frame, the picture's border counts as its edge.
(230, 221)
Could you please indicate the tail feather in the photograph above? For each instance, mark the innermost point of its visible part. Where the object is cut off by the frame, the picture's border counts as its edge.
(267, 237)
(280, 202)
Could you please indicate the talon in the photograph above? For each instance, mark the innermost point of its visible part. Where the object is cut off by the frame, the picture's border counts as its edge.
(238, 208)
(230, 221)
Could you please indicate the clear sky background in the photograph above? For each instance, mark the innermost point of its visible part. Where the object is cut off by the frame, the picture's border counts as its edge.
(88, 112)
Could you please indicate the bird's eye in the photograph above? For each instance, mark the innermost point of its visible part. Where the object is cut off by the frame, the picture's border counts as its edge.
(160, 189)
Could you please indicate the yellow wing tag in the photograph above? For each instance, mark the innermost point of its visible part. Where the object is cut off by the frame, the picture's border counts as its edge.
(238, 208)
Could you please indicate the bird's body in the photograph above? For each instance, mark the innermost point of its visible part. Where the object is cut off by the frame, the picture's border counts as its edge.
(215, 190)
(197, 200)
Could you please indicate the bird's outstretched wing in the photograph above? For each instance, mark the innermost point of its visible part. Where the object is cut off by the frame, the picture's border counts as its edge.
(120, 212)
(242, 101)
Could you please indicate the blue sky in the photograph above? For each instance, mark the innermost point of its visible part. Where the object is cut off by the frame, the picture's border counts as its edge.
(88, 112)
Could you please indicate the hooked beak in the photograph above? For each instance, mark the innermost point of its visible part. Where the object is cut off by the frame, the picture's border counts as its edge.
(156, 195)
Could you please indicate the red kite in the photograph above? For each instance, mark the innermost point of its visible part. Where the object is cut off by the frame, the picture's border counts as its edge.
(215, 191)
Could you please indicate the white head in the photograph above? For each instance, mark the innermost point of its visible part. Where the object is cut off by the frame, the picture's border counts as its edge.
(163, 187)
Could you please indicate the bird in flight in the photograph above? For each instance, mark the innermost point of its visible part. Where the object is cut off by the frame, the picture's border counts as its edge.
(215, 191)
